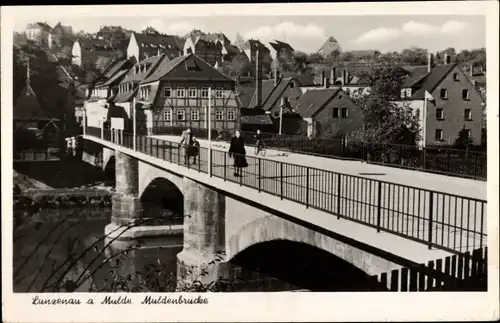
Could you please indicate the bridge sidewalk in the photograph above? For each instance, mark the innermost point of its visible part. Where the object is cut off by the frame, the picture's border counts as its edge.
(430, 181)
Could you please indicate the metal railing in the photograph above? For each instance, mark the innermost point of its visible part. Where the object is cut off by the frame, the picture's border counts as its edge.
(453, 162)
(446, 221)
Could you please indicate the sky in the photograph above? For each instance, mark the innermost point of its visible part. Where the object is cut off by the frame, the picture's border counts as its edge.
(308, 33)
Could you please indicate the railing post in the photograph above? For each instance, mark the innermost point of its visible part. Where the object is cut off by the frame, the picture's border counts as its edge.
(339, 188)
(102, 130)
(425, 158)
(379, 205)
(281, 180)
(225, 165)
(307, 187)
(431, 209)
(259, 174)
(178, 154)
(210, 163)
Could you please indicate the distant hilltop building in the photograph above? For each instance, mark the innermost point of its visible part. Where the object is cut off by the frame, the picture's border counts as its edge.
(213, 48)
(331, 45)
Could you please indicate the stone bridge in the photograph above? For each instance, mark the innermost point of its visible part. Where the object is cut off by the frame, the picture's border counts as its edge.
(223, 217)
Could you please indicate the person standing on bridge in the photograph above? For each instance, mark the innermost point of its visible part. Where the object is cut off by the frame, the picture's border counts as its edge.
(237, 152)
(186, 143)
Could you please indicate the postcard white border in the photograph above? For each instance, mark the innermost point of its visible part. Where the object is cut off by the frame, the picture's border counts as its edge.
(264, 306)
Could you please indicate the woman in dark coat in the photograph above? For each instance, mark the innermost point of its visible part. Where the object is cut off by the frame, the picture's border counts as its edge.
(237, 152)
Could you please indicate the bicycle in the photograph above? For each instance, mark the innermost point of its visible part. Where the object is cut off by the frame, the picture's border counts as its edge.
(260, 149)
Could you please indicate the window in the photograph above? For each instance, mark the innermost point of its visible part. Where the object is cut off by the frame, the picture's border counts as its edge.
(292, 85)
(465, 94)
(403, 93)
(204, 92)
(195, 114)
(439, 134)
(444, 94)
(167, 92)
(181, 93)
(439, 114)
(231, 114)
(181, 115)
(167, 114)
(344, 113)
(455, 77)
(219, 114)
(335, 112)
(408, 92)
(218, 93)
(192, 92)
(468, 132)
(468, 114)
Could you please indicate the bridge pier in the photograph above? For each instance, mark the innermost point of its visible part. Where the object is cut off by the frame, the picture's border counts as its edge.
(204, 235)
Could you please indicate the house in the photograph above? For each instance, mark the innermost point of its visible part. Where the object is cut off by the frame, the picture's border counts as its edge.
(61, 36)
(364, 54)
(345, 78)
(88, 49)
(446, 101)
(279, 48)
(212, 48)
(121, 104)
(104, 92)
(329, 111)
(252, 47)
(151, 43)
(117, 36)
(274, 94)
(330, 46)
(39, 32)
(177, 94)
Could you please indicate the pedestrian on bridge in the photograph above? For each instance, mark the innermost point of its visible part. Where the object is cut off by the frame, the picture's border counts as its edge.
(237, 152)
(186, 143)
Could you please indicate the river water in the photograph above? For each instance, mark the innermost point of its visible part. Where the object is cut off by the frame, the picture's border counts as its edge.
(62, 250)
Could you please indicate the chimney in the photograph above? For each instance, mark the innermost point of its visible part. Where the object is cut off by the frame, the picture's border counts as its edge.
(471, 70)
(258, 80)
(276, 76)
(343, 76)
(447, 59)
(430, 62)
(333, 76)
(322, 78)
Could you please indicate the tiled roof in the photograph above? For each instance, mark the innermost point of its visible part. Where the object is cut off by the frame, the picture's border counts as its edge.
(114, 67)
(157, 39)
(255, 44)
(432, 80)
(42, 25)
(314, 100)
(416, 74)
(115, 78)
(124, 97)
(89, 42)
(177, 69)
(278, 46)
(304, 79)
(28, 107)
(261, 119)
(270, 93)
(139, 77)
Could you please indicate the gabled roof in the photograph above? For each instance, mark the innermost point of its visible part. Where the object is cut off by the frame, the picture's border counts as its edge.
(261, 119)
(431, 80)
(95, 43)
(416, 74)
(116, 78)
(27, 106)
(304, 79)
(124, 97)
(42, 25)
(114, 67)
(254, 45)
(245, 93)
(187, 67)
(270, 93)
(314, 100)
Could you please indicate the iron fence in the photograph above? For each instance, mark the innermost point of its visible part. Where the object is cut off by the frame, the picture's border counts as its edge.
(447, 221)
(454, 162)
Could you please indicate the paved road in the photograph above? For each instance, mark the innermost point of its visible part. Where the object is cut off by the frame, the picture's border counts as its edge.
(404, 210)
(440, 183)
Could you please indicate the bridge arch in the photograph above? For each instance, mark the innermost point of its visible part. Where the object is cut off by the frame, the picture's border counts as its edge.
(273, 228)
(297, 265)
(163, 202)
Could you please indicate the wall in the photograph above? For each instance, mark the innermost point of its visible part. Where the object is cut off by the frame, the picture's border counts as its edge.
(133, 48)
(187, 104)
(77, 54)
(95, 113)
(453, 109)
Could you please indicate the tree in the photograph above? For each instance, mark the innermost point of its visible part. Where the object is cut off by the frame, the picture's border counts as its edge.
(385, 120)
(463, 140)
(239, 65)
(102, 63)
(414, 56)
(345, 56)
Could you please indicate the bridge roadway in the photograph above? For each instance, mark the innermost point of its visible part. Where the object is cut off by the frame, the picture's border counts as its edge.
(393, 216)
(440, 183)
